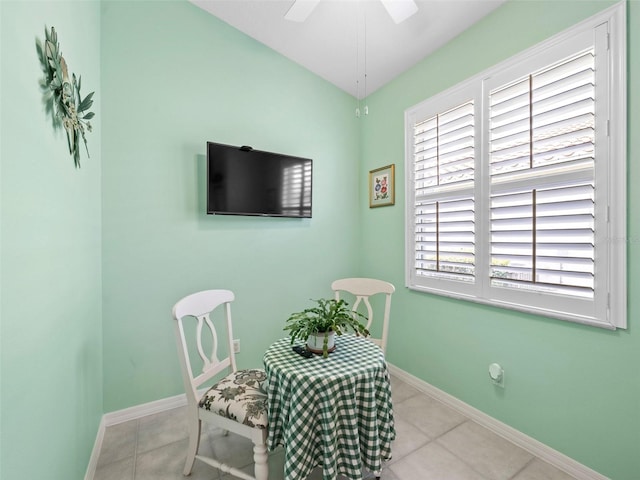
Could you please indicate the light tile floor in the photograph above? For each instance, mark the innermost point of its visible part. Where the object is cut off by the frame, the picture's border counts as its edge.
(433, 442)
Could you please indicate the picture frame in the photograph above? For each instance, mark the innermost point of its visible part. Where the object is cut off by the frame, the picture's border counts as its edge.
(382, 190)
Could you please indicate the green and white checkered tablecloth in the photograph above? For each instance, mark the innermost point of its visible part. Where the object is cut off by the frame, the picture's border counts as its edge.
(335, 412)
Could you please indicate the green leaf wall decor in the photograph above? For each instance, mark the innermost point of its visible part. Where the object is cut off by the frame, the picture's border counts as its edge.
(62, 97)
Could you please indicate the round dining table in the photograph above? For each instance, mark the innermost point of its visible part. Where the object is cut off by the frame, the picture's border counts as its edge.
(333, 412)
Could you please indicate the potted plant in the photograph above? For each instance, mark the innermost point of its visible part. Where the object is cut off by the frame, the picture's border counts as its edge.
(326, 319)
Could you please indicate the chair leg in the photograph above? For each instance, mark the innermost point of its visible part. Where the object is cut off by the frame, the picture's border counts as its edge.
(194, 425)
(260, 457)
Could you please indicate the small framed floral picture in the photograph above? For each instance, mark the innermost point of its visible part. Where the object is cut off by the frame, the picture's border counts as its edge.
(382, 190)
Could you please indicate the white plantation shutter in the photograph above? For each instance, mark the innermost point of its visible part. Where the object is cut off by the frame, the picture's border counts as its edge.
(444, 212)
(544, 240)
(445, 238)
(544, 119)
(516, 181)
(542, 219)
(444, 150)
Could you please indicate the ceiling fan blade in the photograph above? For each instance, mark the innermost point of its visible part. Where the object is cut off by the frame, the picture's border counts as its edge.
(399, 10)
(300, 10)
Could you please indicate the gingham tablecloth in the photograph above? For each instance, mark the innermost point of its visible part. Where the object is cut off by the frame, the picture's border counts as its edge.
(335, 412)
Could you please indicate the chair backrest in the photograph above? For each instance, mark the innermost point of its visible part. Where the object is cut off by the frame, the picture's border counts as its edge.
(198, 307)
(362, 289)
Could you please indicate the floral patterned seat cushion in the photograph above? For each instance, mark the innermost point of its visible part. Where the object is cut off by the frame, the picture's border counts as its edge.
(239, 396)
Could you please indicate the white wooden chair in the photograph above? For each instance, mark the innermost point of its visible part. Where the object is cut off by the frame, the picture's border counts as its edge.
(236, 403)
(362, 289)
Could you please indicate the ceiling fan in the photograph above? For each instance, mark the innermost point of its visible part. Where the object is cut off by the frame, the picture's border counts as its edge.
(398, 10)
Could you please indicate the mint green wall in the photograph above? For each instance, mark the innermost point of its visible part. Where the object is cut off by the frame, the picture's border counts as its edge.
(50, 336)
(175, 77)
(574, 388)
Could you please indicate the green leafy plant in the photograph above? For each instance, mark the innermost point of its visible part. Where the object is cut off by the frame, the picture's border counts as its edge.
(326, 316)
(62, 95)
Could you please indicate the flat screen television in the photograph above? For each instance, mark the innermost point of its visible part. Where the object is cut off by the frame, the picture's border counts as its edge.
(244, 181)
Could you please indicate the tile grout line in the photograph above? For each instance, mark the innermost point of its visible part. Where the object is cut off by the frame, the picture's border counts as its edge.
(442, 445)
(523, 467)
(135, 449)
(512, 477)
(395, 460)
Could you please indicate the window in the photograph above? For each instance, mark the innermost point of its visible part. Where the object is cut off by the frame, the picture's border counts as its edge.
(516, 181)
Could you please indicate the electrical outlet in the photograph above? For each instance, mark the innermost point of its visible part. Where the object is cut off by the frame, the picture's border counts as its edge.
(496, 373)
(236, 346)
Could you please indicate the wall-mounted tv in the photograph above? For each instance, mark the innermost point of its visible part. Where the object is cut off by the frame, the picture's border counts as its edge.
(244, 181)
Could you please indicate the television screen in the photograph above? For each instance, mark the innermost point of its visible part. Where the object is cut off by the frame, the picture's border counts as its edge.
(244, 181)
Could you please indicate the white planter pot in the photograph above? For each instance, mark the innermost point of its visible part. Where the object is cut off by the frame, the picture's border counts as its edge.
(315, 343)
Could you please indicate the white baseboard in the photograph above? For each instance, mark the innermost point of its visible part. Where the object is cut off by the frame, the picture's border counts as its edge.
(139, 411)
(533, 446)
(540, 450)
(95, 453)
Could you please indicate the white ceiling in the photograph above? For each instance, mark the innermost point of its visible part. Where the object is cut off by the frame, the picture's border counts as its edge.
(343, 39)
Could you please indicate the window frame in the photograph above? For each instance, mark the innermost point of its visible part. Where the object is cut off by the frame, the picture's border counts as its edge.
(608, 309)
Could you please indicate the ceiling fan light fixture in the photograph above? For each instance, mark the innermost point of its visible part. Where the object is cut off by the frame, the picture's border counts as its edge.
(300, 10)
(400, 10)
